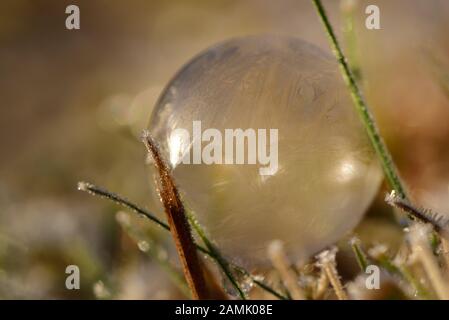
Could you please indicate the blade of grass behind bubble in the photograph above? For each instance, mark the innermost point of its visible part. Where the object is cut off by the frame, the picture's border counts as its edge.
(364, 112)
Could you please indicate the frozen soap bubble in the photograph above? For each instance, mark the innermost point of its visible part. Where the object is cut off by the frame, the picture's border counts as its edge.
(326, 175)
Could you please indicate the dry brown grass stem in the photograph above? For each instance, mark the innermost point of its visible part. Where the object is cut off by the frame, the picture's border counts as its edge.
(445, 250)
(321, 286)
(179, 226)
(326, 260)
(419, 240)
(280, 261)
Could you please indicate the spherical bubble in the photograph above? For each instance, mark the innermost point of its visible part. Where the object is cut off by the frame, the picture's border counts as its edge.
(326, 175)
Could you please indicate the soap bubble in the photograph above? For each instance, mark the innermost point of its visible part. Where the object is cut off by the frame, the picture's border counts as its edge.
(327, 173)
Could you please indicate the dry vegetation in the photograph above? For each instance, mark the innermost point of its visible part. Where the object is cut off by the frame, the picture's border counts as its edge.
(409, 243)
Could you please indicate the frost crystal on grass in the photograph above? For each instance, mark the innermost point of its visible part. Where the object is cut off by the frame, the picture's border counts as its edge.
(439, 221)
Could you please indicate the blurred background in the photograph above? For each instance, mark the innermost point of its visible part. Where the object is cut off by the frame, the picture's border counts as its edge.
(73, 104)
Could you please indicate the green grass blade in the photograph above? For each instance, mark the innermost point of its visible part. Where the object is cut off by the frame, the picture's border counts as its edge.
(214, 253)
(388, 166)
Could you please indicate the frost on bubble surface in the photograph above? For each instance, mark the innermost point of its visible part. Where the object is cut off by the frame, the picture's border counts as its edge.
(327, 171)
